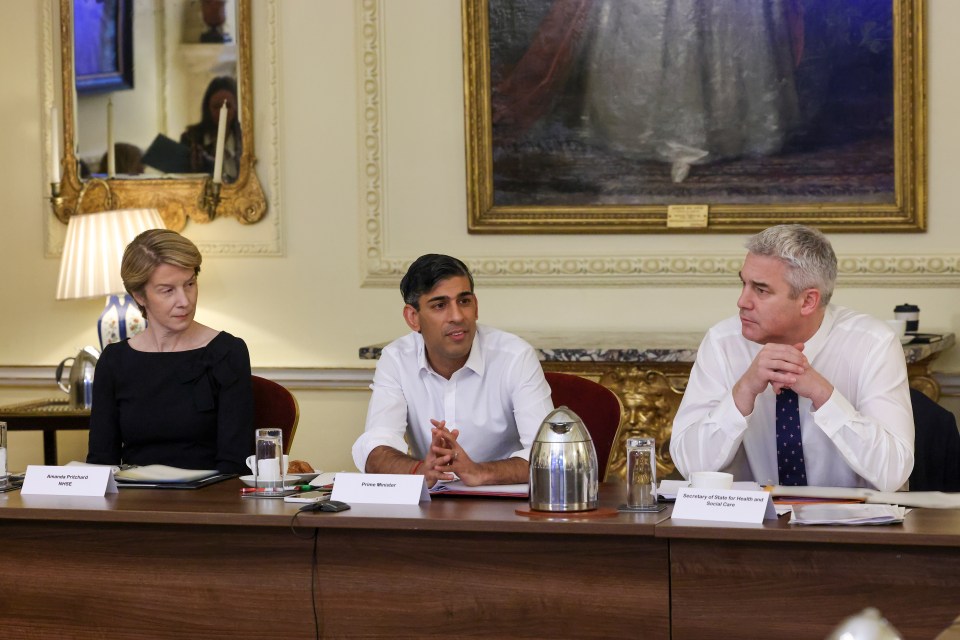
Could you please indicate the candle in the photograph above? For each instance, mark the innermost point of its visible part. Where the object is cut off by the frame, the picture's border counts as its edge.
(111, 160)
(221, 138)
(54, 146)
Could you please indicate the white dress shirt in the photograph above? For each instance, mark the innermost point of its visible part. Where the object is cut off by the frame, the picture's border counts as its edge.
(497, 400)
(862, 436)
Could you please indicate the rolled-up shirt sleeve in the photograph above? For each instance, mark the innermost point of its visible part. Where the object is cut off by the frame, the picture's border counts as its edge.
(386, 415)
(532, 400)
(877, 441)
(708, 427)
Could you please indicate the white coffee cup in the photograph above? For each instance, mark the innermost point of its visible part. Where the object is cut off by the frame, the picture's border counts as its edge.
(899, 326)
(270, 473)
(711, 480)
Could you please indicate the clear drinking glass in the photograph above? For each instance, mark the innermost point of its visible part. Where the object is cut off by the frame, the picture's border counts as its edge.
(269, 469)
(641, 472)
(4, 474)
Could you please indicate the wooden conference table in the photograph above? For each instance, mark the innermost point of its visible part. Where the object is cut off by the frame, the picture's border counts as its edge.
(207, 563)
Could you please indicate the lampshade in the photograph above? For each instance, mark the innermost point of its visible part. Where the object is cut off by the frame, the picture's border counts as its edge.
(90, 265)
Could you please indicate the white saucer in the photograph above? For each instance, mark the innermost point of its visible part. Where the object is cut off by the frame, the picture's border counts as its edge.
(291, 480)
(906, 339)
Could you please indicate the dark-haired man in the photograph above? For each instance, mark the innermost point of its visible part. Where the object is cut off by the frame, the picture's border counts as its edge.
(469, 398)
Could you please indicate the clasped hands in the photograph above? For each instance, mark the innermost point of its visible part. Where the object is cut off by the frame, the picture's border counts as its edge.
(446, 460)
(782, 366)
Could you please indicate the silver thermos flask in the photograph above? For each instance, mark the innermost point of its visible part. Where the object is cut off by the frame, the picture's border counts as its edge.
(563, 465)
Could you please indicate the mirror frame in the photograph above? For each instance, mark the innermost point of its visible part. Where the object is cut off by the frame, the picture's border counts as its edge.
(177, 199)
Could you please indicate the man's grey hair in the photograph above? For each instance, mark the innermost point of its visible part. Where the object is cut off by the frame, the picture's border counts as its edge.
(811, 262)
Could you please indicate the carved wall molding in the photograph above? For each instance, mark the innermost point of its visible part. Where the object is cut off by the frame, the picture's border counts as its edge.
(383, 268)
(53, 230)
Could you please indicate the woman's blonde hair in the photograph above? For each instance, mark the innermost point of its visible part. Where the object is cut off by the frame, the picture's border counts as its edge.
(149, 250)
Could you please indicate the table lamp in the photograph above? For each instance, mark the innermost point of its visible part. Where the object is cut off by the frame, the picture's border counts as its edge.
(90, 266)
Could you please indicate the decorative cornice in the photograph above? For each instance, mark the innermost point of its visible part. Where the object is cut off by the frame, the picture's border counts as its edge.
(382, 269)
(867, 270)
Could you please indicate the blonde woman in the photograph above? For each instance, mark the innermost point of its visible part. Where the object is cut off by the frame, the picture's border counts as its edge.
(179, 393)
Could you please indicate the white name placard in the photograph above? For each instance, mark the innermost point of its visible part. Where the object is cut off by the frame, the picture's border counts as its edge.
(68, 481)
(723, 506)
(379, 488)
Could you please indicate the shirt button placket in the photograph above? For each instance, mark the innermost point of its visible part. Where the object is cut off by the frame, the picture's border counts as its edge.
(450, 402)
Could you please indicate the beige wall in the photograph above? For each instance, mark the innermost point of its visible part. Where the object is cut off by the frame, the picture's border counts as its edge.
(307, 307)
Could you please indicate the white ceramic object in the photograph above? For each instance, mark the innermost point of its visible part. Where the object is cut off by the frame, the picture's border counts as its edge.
(711, 480)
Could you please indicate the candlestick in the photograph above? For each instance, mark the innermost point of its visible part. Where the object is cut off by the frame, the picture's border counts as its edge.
(221, 138)
(111, 159)
(54, 146)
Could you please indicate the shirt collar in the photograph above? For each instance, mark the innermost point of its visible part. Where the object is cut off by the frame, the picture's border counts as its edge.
(813, 346)
(475, 361)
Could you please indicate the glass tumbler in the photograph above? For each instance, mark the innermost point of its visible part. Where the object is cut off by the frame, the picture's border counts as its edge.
(269, 469)
(641, 473)
(4, 475)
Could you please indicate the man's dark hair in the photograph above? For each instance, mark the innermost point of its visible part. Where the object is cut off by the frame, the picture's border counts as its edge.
(426, 271)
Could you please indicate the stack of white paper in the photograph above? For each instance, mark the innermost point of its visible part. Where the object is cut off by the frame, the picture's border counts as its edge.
(847, 514)
(925, 499)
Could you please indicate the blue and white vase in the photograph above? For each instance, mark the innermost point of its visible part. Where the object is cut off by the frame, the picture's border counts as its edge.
(121, 319)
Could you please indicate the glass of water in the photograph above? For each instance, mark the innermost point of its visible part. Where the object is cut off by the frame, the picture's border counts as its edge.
(4, 474)
(269, 469)
(641, 473)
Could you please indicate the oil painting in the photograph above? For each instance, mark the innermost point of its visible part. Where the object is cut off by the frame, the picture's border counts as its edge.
(597, 115)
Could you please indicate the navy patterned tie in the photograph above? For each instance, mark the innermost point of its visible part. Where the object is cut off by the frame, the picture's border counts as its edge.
(790, 464)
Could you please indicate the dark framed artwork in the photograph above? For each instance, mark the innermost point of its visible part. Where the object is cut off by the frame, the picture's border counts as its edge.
(103, 45)
(595, 116)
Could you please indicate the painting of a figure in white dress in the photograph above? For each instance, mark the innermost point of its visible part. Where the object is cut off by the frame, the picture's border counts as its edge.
(748, 106)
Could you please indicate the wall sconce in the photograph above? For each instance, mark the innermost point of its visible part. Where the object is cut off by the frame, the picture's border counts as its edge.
(65, 213)
(208, 201)
(90, 266)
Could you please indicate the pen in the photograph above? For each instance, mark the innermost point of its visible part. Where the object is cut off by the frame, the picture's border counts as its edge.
(299, 487)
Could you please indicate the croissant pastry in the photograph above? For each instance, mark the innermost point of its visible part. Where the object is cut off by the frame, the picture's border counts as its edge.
(299, 466)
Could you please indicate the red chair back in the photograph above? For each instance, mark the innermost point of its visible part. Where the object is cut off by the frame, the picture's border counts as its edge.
(274, 406)
(597, 406)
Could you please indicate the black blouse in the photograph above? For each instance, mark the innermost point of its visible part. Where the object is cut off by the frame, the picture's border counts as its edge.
(189, 409)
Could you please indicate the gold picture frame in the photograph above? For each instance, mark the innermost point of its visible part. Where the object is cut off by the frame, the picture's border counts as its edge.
(520, 180)
(177, 198)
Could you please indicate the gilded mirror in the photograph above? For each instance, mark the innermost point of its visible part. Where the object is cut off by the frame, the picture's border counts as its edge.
(182, 195)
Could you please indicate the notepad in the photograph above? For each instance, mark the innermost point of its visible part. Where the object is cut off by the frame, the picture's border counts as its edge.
(162, 473)
(489, 490)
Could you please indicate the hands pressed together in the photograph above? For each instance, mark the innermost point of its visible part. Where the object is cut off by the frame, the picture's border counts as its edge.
(784, 367)
(447, 460)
